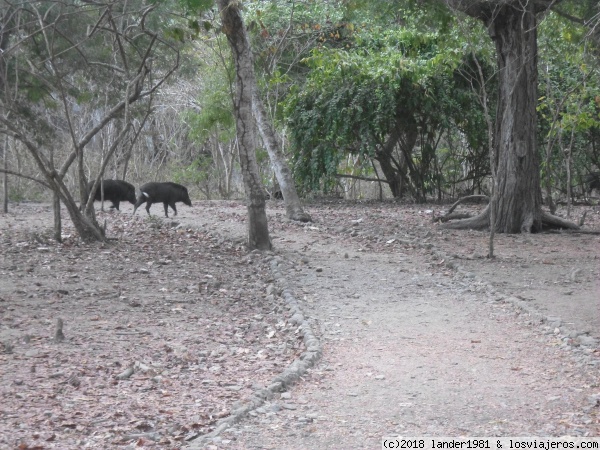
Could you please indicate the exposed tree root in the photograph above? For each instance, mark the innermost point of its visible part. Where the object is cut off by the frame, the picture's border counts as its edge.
(553, 222)
(304, 217)
(452, 216)
(479, 222)
(482, 222)
(298, 214)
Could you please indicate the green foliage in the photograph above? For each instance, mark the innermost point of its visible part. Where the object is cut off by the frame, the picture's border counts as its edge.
(215, 117)
(195, 6)
(195, 174)
(569, 105)
(354, 98)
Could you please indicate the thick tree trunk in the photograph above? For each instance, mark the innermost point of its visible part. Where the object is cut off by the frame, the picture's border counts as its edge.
(519, 196)
(405, 136)
(293, 206)
(512, 25)
(233, 27)
(88, 230)
(393, 177)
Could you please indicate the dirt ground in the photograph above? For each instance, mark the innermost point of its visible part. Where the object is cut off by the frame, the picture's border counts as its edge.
(173, 324)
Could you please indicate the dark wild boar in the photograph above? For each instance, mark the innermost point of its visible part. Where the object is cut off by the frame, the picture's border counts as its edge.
(166, 193)
(116, 191)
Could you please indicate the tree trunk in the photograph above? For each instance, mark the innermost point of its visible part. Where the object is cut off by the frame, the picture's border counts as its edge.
(519, 196)
(403, 135)
(5, 177)
(393, 177)
(233, 27)
(87, 227)
(512, 26)
(57, 218)
(293, 206)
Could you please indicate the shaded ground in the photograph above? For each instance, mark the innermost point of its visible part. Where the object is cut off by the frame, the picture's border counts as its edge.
(412, 345)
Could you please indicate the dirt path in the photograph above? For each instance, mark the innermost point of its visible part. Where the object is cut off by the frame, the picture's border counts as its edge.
(174, 325)
(412, 347)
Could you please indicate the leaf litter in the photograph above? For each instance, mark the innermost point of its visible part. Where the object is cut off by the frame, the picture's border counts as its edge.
(163, 330)
(167, 329)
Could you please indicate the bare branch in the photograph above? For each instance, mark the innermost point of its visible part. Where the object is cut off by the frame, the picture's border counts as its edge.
(356, 177)
(22, 175)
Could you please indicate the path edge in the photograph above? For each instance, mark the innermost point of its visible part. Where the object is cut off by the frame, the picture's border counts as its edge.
(291, 374)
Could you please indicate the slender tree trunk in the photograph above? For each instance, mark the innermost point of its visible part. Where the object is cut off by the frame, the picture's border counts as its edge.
(549, 146)
(5, 177)
(379, 184)
(568, 152)
(233, 27)
(56, 205)
(483, 96)
(57, 218)
(293, 206)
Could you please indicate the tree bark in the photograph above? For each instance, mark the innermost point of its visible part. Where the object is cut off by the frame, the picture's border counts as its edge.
(293, 206)
(57, 217)
(404, 135)
(233, 27)
(519, 199)
(5, 176)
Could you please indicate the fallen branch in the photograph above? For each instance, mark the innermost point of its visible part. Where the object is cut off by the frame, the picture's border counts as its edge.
(356, 177)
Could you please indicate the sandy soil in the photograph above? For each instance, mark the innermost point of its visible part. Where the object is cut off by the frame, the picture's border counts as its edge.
(421, 334)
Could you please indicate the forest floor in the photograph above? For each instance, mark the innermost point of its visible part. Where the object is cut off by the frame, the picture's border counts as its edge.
(173, 324)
